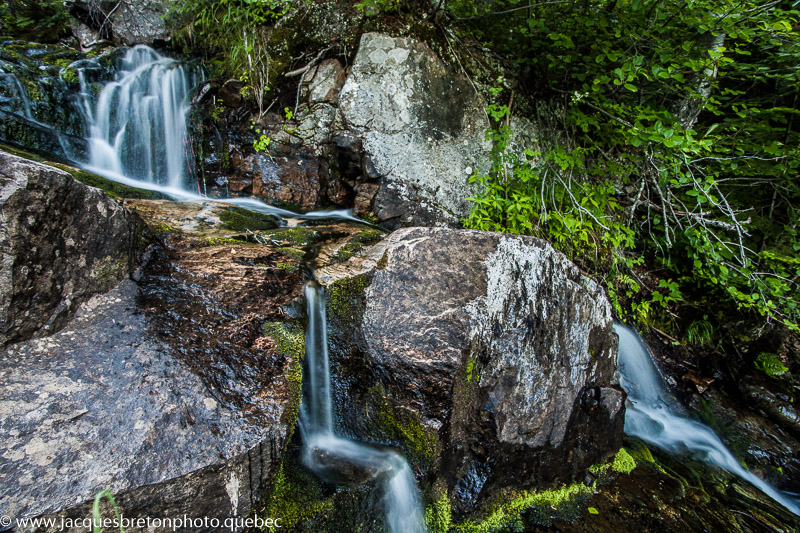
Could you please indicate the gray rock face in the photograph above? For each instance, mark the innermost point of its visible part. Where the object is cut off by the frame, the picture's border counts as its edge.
(129, 22)
(61, 242)
(166, 391)
(422, 128)
(99, 405)
(498, 345)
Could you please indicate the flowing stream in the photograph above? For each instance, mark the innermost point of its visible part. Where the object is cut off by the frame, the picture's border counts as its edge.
(326, 453)
(652, 416)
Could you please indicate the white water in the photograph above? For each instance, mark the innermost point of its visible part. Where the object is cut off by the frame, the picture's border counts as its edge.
(138, 132)
(137, 125)
(401, 498)
(651, 416)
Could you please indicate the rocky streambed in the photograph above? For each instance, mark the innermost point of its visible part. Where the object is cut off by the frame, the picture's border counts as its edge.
(156, 348)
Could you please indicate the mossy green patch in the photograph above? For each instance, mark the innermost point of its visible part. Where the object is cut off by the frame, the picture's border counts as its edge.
(238, 219)
(70, 75)
(296, 236)
(506, 516)
(345, 303)
(295, 497)
(290, 341)
(219, 241)
(293, 253)
(112, 188)
(623, 462)
(438, 515)
(403, 426)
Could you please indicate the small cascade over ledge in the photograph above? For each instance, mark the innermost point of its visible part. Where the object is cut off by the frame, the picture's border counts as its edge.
(137, 124)
(329, 455)
(652, 416)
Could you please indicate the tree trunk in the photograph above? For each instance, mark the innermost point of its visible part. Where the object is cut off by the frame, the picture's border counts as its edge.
(690, 108)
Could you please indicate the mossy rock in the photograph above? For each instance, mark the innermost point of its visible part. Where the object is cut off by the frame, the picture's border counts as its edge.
(239, 219)
(296, 236)
(112, 188)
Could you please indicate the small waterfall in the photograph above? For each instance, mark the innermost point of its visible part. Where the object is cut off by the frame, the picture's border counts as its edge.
(651, 416)
(326, 454)
(137, 124)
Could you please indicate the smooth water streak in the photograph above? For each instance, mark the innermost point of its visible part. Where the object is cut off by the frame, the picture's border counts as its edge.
(651, 416)
(137, 125)
(326, 453)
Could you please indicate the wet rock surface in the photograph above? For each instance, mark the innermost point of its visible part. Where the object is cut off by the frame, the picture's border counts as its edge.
(61, 242)
(166, 390)
(104, 405)
(490, 358)
(666, 494)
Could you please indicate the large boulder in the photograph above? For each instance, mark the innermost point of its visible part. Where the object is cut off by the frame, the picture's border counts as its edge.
(61, 242)
(490, 358)
(422, 127)
(177, 389)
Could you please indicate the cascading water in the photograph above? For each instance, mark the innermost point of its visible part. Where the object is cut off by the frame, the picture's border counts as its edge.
(137, 125)
(325, 453)
(651, 417)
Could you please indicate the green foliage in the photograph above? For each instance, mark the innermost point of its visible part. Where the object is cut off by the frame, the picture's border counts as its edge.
(438, 515)
(700, 332)
(234, 31)
(684, 116)
(40, 21)
(769, 364)
(97, 518)
(262, 143)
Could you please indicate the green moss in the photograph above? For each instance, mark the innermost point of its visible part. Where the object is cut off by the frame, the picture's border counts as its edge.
(296, 236)
(294, 498)
(404, 427)
(438, 515)
(290, 341)
(238, 219)
(70, 75)
(219, 241)
(471, 374)
(345, 303)
(293, 253)
(160, 229)
(623, 462)
(288, 267)
(112, 188)
(506, 517)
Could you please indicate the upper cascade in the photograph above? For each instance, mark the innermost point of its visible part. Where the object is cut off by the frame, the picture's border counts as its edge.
(137, 124)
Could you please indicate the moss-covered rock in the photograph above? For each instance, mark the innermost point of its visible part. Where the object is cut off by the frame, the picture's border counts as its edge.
(239, 219)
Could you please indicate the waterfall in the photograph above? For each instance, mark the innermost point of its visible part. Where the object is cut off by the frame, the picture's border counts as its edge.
(137, 124)
(651, 416)
(325, 453)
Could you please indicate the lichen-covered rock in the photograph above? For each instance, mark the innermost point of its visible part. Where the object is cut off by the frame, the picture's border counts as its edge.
(422, 127)
(490, 358)
(61, 242)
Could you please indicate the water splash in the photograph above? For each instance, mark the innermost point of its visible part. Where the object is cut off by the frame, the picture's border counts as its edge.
(651, 416)
(328, 454)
